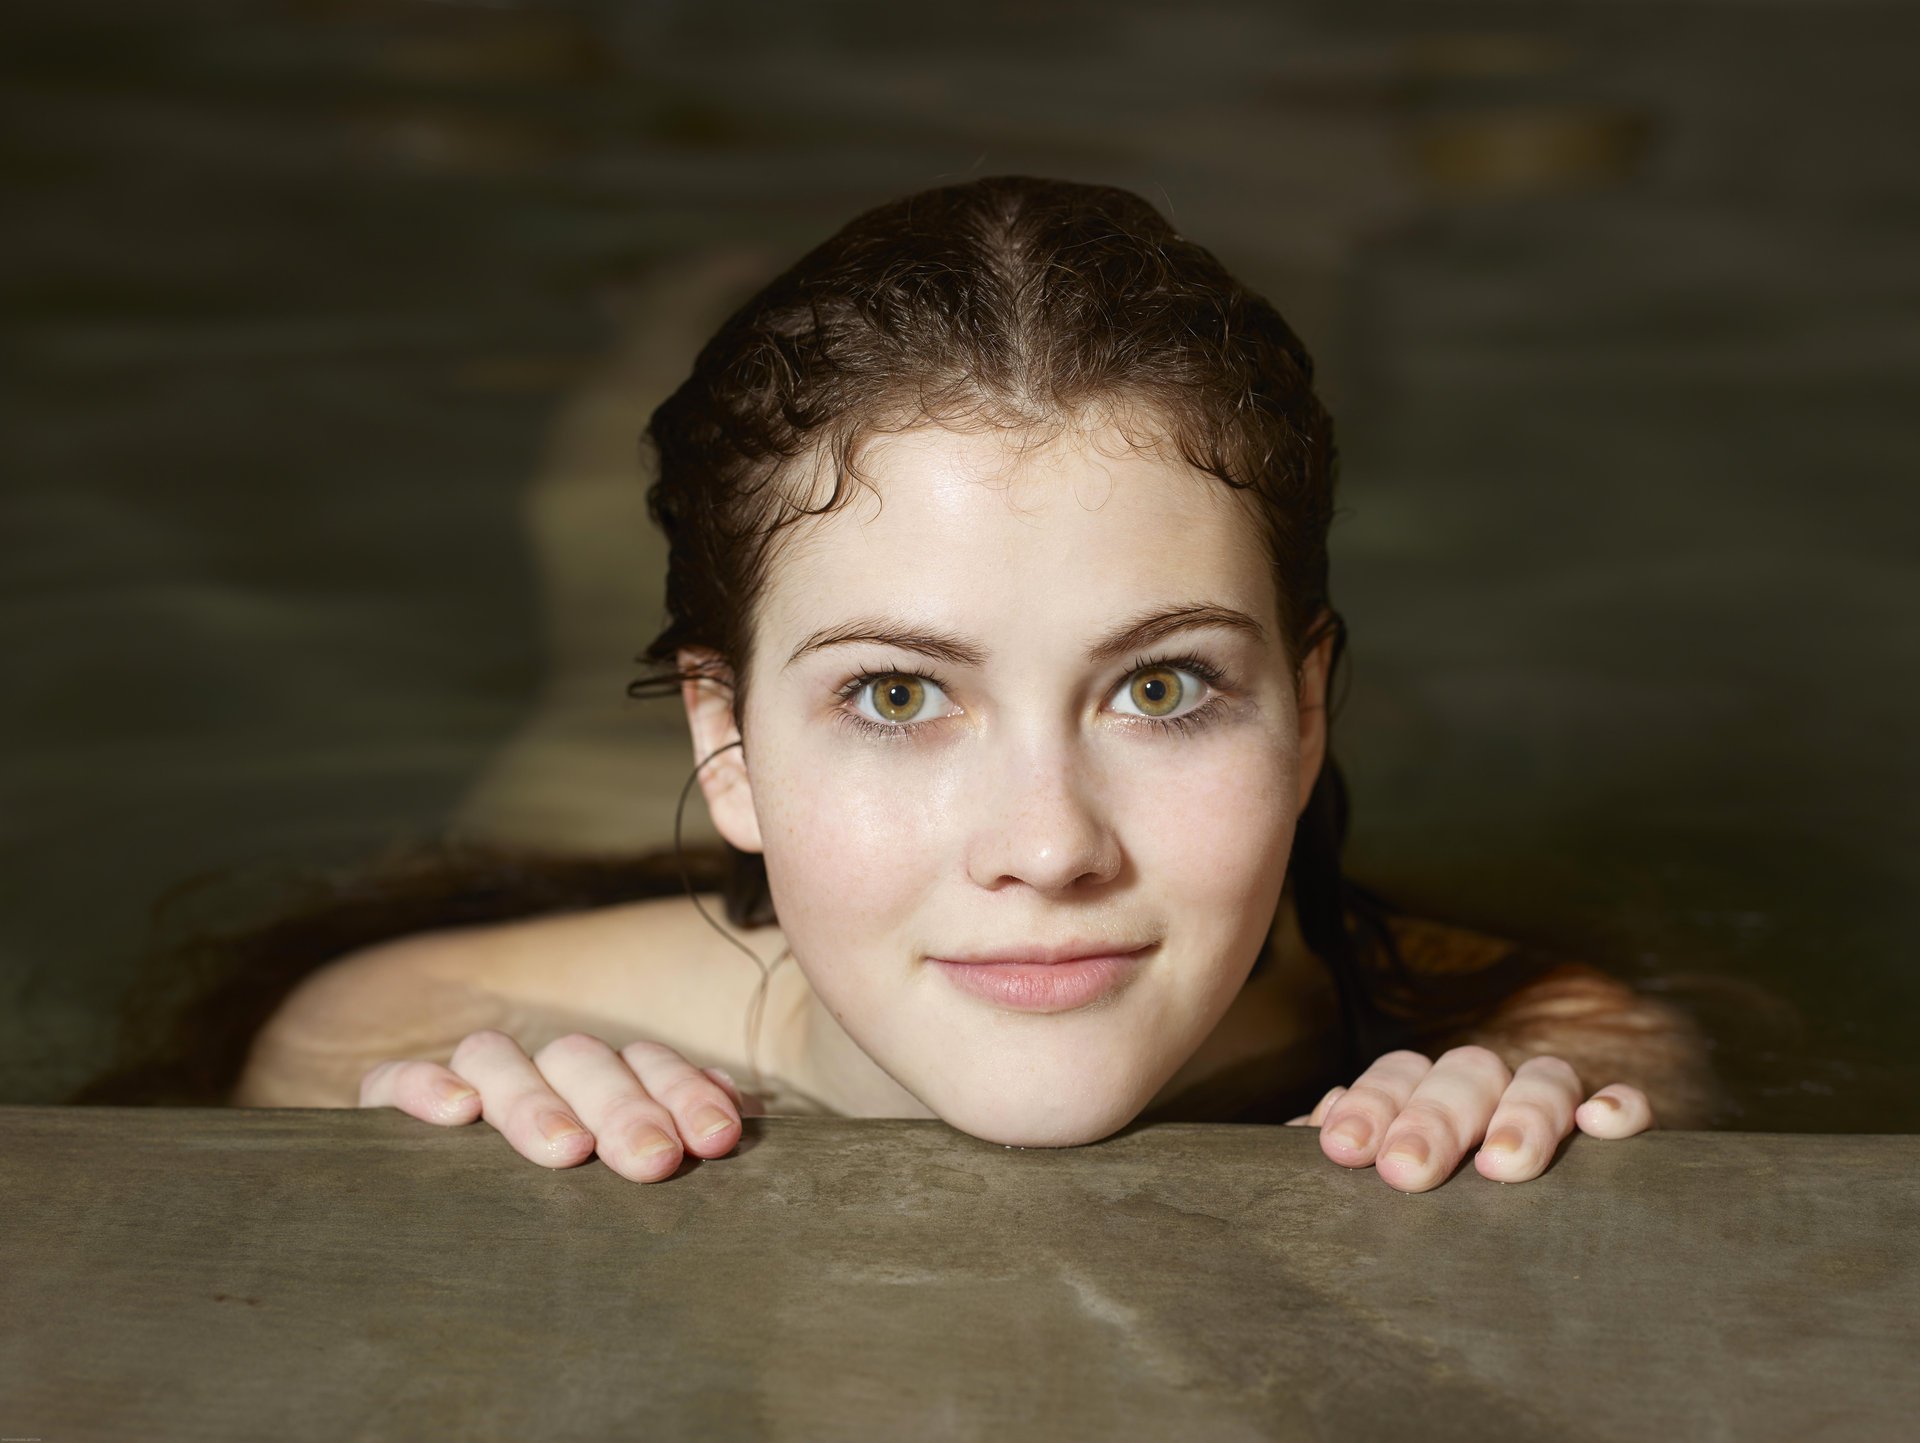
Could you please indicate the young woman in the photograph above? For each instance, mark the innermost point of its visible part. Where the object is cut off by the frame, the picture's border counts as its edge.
(999, 607)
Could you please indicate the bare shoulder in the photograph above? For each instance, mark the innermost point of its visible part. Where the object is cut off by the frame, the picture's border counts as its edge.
(653, 969)
(363, 1008)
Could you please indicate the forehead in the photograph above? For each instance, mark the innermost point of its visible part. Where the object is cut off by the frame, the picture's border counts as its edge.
(1040, 530)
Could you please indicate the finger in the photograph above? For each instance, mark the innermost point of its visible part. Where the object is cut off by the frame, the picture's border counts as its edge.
(633, 1131)
(1534, 1117)
(1319, 1113)
(1353, 1124)
(1312, 1119)
(705, 1116)
(1445, 1115)
(518, 1103)
(746, 1103)
(421, 1089)
(1618, 1110)
(725, 1079)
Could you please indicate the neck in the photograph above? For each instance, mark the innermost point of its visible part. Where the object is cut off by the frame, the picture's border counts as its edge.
(838, 1071)
(1287, 1016)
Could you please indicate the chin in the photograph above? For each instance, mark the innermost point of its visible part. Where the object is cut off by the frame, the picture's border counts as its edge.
(1053, 1121)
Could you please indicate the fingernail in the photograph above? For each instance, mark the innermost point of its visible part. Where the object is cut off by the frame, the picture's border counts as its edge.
(710, 1122)
(1411, 1150)
(1354, 1132)
(557, 1127)
(1505, 1139)
(451, 1091)
(1606, 1100)
(649, 1144)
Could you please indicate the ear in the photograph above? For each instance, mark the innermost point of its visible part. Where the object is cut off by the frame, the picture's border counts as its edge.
(1313, 716)
(724, 781)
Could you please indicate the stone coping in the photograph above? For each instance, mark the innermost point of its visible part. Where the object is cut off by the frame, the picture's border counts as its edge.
(335, 1273)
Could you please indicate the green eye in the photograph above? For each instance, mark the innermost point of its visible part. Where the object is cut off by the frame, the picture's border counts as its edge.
(896, 697)
(1157, 691)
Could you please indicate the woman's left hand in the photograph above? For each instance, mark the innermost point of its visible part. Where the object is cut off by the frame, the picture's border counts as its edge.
(1413, 1119)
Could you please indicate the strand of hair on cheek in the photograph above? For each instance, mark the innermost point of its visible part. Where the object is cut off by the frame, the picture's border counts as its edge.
(757, 1007)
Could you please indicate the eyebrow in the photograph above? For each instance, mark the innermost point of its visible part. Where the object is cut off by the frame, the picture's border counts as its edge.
(1140, 630)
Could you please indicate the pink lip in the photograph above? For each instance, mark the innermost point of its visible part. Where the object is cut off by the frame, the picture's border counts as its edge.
(1029, 986)
(1064, 952)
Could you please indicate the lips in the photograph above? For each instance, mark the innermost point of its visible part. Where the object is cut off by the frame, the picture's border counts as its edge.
(1031, 956)
(1060, 985)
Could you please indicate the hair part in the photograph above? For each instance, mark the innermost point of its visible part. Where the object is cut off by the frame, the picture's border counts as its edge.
(1009, 302)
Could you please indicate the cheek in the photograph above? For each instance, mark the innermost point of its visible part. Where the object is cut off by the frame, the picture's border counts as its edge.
(1216, 822)
(849, 847)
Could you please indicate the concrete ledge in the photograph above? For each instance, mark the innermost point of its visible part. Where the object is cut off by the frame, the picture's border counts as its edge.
(338, 1274)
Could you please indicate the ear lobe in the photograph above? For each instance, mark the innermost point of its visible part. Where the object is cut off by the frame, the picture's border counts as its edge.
(724, 780)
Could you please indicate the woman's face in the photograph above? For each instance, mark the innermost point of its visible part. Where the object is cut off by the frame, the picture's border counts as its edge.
(953, 748)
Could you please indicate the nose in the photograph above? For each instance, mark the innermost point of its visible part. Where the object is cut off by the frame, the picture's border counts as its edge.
(1040, 820)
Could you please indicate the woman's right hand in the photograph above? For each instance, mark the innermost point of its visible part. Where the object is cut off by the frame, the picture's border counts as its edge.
(641, 1108)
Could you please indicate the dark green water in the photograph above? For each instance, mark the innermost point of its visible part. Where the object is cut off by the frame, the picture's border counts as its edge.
(1618, 312)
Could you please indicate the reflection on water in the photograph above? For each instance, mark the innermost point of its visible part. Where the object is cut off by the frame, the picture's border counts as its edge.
(332, 326)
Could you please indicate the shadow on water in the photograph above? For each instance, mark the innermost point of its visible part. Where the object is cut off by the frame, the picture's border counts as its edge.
(331, 327)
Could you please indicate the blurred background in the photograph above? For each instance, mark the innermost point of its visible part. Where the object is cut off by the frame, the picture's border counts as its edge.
(330, 329)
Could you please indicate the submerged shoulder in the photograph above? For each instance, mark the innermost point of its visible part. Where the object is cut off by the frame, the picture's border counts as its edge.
(1606, 1028)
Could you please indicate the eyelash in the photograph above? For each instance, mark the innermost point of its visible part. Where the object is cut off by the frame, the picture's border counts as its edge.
(1187, 722)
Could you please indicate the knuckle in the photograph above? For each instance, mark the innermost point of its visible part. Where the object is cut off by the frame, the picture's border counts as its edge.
(1404, 1059)
(1483, 1059)
(1370, 1097)
(645, 1051)
(1555, 1069)
(486, 1040)
(573, 1044)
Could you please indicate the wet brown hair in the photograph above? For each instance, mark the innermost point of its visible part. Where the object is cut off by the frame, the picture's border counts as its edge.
(1016, 302)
